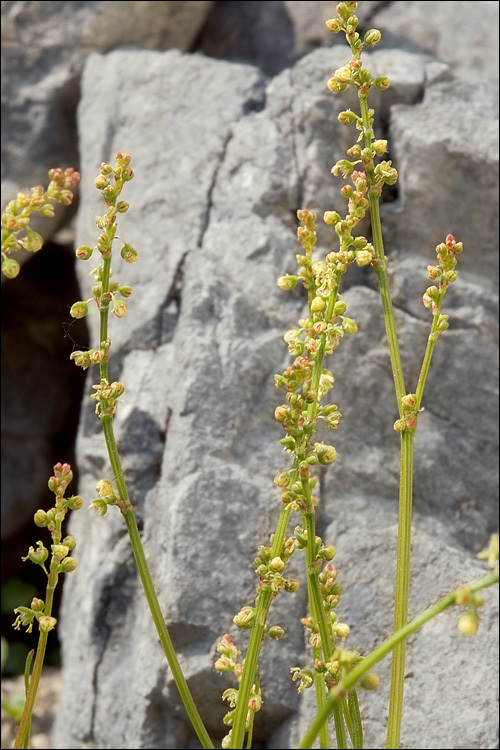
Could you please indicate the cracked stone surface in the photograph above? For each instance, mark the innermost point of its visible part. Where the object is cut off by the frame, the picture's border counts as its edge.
(223, 157)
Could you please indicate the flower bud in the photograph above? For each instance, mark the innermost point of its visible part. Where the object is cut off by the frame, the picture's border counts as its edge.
(68, 565)
(442, 323)
(37, 556)
(326, 453)
(343, 75)
(119, 308)
(468, 623)
(339, 307)
(380, 147)
(335, 86)
(399, 425)
(408, 401)
(372, 37)
(318, 305)
(331, 218)
(10, 267)
(47, 210)
(347, 117)
(40, 518)
(125, 290)
(128, 253)
(101, 181)
(84, 252)
(122, 207)
(46, 624)
(349, 325)
(363, 258)
(37, 605)
(99, 505)
(276, 632)
(223, 664)
(79, 309)
(370, 681)
(287, 282)
(291, 585)
(59, 551)
(382, 82)
(244, 618)
(334, 25)
(328, 552)
(277, 564)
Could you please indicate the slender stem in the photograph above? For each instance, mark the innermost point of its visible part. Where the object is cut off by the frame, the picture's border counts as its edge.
(402, 588)
(24, 726)
(138, 550)
(377, 654)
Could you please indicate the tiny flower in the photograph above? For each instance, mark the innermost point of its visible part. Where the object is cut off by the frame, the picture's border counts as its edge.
(287, 282)
(349, 325)
(119, 308)
(343, 75)
(335, 86)
(280, 413)
(79, 309)
(372, 37)
(84, 252)
(68, 565)
(382, 83)
(468, 623)
(59, 551)
(46, 624)
(363, 258)
(276, 632)
(99, 505)
(334, 25)
(380, 147)
(10, 267)
(244, 617)
(40, 518)
(347, 117)
(318, 304)
(331, 218)
(128, 253)
(277, 564)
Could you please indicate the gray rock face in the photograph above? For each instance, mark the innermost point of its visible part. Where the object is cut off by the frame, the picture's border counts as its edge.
(223, 158)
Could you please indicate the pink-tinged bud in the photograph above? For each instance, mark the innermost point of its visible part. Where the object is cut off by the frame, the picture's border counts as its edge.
(84, 252)
(125, 290)
(343, 75)
(363, 258)
(47, 210)
(408, 401)
(347, 117)
(372, 37)
(128, 253)
(287, 282)
(334, 25)
(255, 703)
(276, 632)
(382, 83)
(101, 181)
(68, 565)
(468, 623)
(79, 309)
(244, 618)
(69, 542)
(280, 413)
(32, 242)
(223, 664)
(46, 624)
(226, 741)
(65, 197)
(277, 564)
(315, 640)
(119, 308)
(122, 207)
(37, 604)
(433, 272)
(462, 596)
(427, 300)
(291, 585)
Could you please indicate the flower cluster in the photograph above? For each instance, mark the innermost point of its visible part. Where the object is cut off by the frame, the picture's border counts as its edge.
(16, 217)
(446, 273)
(107, 496)
(110, 182)
(227, 662)
(60, 562)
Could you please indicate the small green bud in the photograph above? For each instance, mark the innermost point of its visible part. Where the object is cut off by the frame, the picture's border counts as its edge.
(119, 308)
(47, 210)
(372, 37)
(75, 502)
(334, 25)
(276, 632)
(343, 75)
(101, 181)
(84, 252)
(287, 282)
(128, 253)
(125, 290)
(331, 218)
(363, 258)
(10, 267)
(79, 309)
(370, 681)
(347, 117)
(442, 323)
(277, 564)
(291, 585)
(40, 518)
(326, 453)
(68, 565)
(382, 82)
(318, 305)
(37, 605)
(59, 551)
(328, 552)
(340, 307)
(349, 325)
(399, 425)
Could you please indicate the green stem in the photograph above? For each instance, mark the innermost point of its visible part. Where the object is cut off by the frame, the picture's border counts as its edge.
(377, 654)
(402, 588)
(257, 633)
(138, 550)
(24, 726)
